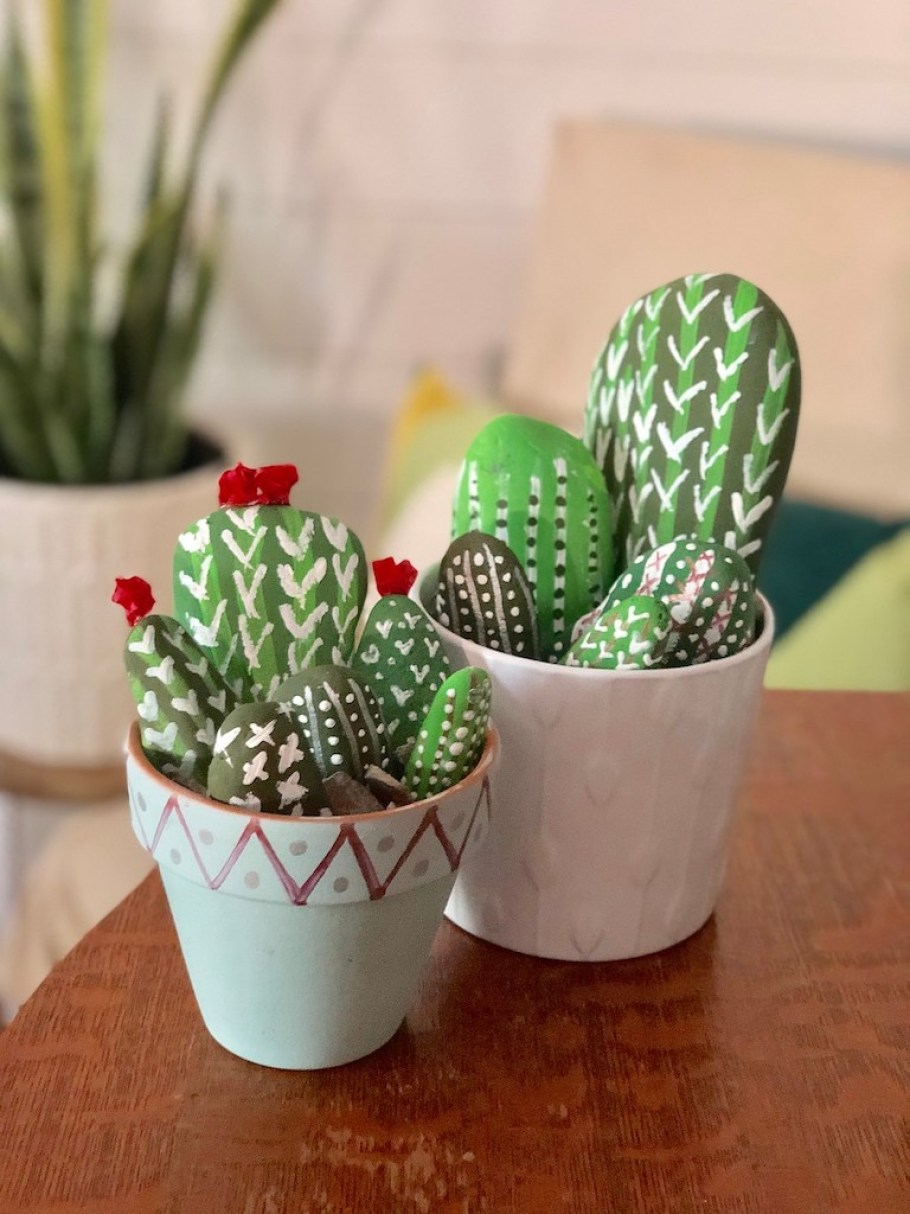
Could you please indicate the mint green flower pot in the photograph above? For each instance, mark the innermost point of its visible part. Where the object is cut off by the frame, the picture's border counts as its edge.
(304, 938)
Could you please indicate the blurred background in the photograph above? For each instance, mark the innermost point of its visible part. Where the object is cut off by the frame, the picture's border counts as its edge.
(438, 210)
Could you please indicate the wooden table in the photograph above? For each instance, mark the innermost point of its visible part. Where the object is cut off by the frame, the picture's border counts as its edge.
(760, 1066)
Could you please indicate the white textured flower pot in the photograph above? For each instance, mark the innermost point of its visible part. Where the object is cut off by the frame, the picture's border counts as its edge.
(305, 938)
(64, 698)
(614, 802)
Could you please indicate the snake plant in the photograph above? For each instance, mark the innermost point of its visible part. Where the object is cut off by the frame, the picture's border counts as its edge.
(86, 397)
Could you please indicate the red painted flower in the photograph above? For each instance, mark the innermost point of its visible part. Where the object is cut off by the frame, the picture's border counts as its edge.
(274, 483)
(237, 487)
(134, 595)
(394, 577)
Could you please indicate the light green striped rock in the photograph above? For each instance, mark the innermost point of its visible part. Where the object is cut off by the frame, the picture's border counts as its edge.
(709, 591)
(260, 762)
(483, 595)
(340, 719)
(539, 490)
(401, 658)
(452, 735)
(181, 698)
(692, 413)
(633, 635)
(269, 590)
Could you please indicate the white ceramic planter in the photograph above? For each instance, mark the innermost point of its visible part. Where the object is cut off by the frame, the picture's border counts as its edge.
(65, 700)
(304, 938)
(614, 802)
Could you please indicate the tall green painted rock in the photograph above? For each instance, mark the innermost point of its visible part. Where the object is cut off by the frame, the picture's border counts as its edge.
(484, 596)
(181, 698)
(710, 593)
(401, 657)
(267, 590)
(632, 635)
(340, 718)
(261, 762)
(692, 413)
(452, 735)
(538, 490)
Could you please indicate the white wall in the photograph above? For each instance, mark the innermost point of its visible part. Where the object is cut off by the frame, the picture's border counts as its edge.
(386, 156)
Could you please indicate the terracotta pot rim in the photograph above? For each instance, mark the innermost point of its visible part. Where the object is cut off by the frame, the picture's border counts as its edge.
(136, 755)
(754, 652)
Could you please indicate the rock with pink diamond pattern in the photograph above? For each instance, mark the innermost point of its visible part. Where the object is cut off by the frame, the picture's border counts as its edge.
(709, 591)
(262, 763)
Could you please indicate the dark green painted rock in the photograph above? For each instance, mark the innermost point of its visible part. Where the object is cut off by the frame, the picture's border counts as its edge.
(710, 593)
(633, 635)
(267, 590)
(401, 657)
(692, 413)
(452, 735)
(340, 718)
(538, 490)
(484, 596)
(181, 698)
(261, 763)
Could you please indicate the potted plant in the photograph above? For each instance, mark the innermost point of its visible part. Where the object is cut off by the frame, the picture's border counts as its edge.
(608, 588)
(308, 789)
(97, 462)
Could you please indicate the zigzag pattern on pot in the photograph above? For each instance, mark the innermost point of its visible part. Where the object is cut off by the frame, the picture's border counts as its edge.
(692, 413)
(367, 847)
(267, 590)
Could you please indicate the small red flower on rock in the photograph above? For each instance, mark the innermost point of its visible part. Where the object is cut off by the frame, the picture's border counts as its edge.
(134, 595)
(394, 577)
(274, 483)
(237, 487)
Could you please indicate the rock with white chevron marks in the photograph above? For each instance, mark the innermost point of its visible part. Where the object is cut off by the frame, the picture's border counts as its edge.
(401, 655)
(340, 719)
(692, 412)
(537, 489)
(452, 735)
(261, 762)
(268, 589)
(710, 594)
(632, 635)
(483, 595)
(181, 699)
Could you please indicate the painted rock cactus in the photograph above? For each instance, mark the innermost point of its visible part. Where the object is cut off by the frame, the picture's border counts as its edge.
(484, 596)
(260, 763)
(268, 590)
(339, 717)
(709, 591)
(692, 413)
(632, 635)
(452, 735)
(180, 698)
(400, 654)
(538, 490)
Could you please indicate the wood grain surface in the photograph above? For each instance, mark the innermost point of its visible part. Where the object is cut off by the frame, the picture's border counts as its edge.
(762, 1065)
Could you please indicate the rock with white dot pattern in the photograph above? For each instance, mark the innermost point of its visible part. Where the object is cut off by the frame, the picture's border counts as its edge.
(260, 762)
(536, 488)
(484, 596)
(709, 591)
(452, 735)
(339, 717)
(632, 635)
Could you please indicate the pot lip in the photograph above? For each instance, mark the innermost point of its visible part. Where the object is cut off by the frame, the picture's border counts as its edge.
(755, 652)
(136, 756)
(217, 459)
